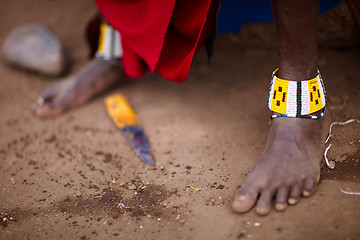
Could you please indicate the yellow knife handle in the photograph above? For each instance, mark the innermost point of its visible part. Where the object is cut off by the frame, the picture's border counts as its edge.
(120, 111)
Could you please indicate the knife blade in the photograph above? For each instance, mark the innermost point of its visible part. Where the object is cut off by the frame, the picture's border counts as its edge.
(124, 118)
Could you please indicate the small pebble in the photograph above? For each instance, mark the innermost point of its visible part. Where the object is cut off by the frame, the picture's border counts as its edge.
(78, 194)
(257, 224)
(332, 164)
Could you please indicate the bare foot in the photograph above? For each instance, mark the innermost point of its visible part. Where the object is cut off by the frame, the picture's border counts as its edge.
(72, 91)
(288, 168)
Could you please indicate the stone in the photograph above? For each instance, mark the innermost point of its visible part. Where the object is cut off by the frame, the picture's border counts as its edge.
(78, 194)
(36, 48)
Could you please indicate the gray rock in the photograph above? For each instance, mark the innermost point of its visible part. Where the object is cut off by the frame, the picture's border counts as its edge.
(34, 47)
(78, 194)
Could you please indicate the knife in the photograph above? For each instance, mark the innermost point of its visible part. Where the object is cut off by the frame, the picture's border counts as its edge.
(124, 117)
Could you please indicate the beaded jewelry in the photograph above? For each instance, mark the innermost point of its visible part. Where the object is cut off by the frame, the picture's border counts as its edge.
(109, 47)
(297, 99)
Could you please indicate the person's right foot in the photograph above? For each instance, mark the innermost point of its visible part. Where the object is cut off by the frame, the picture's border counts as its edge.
(72, 91)
(288, 168)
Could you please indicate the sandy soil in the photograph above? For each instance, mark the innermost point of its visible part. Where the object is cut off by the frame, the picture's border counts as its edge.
(63, 178)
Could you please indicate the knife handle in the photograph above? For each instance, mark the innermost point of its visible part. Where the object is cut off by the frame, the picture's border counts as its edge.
(120, 111)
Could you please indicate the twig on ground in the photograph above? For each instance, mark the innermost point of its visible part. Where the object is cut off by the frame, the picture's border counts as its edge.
(123, 183)
(193, 188)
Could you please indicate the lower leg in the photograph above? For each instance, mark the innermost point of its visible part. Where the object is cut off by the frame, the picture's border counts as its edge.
(297, 34)
(290, 164)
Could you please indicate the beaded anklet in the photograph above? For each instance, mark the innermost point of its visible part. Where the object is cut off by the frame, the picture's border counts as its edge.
(109, 47)
(297, 99)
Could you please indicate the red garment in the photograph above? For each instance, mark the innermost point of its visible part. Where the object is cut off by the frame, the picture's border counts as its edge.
(160, 35)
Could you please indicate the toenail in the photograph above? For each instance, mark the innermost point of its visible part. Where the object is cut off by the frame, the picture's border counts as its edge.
(241, 198)
(306, 193)
(238, 207)
(262, 210)
(292, 201)
(280, 206)
(40, 102)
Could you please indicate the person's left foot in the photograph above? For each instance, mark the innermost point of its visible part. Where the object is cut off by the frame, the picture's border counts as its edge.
(72, 91)
(288, 168)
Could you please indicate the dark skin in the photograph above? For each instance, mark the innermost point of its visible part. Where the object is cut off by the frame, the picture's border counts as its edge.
(73, 91)
(290, 164)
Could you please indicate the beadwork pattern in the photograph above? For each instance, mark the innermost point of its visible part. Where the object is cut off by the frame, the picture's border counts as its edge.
(109, 46)
(296, 98)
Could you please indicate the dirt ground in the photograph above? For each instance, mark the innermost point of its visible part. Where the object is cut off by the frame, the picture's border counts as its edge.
(76, 177)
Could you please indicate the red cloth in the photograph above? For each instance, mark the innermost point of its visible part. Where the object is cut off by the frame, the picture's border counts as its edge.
(160, 35)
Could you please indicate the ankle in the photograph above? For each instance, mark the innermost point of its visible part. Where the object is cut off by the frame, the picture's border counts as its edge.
(297, 72)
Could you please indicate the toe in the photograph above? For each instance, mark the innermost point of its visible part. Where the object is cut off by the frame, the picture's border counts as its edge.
(281, 198)
(51, 91)
(263, 206)
(47, 110)
(309, 187)
(41, 105)
(53, 107)
(244, 200)
(295, 193)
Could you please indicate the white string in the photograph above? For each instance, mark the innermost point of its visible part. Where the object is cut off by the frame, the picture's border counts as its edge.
(350, 193)
(340, 123)
(326, 159)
